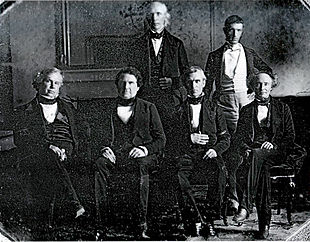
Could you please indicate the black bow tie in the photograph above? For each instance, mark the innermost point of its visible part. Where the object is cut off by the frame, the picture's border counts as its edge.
(156, 35)
(194, 100)
(44, 100)
(262, 102)
(126, 102)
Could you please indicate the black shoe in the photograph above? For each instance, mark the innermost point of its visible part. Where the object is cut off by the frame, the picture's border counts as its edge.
(143, 231)
(208, 230)
(263, 232)
(241, 216)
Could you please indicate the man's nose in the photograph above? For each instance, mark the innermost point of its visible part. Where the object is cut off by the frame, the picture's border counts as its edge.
(153, 16)
(52, 84)
(234, 33)
(127, 85)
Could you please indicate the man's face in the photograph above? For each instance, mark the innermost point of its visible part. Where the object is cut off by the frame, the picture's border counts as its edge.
(157, 16)
(195, 83)
(50, 87)
(127, 86)
(233, 33)
(263, 86)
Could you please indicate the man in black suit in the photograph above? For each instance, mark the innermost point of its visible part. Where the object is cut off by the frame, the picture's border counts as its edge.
(264, 136)
(230, 68)
(46, 136)
(162, 59)
(128, 135)
(203, 137)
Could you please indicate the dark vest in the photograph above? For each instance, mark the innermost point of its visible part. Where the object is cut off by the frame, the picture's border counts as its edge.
(123, 135)
(156, 64)
(263, 131)
(59, 132)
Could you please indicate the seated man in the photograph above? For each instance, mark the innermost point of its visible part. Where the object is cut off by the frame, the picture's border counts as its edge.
(203, 138)
(264, 134)
(129, 134)
(45, 133)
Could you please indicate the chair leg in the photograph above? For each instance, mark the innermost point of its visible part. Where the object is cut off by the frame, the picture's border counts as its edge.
(279, 200)
(290, 201)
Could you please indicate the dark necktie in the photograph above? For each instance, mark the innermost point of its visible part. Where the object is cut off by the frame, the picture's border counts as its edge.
(126, 102)
(194, 100)
(156, 35)
(262, 102)
(44, 100)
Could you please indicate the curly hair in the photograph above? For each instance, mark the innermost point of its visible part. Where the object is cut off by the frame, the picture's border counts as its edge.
(273, 76)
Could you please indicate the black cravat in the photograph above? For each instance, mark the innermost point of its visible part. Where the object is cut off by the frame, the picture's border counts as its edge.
(156, 35)
(194, 100)
(126, 102)
(262, 102)
(44, 100)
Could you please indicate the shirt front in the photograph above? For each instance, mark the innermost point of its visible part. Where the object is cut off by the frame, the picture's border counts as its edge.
(49, 111)
(235, 69)
(195, 115)
(156, 44)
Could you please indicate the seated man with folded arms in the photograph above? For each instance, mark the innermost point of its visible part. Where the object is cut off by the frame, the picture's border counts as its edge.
(265, 132)
(129, 133)
(46, 135)
(203, 137)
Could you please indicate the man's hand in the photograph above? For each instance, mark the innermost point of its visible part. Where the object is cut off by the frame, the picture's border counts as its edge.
(109, 154)
(137, 153)
(165, 82)
(200, 139)
(267, 145)
(211, 153)
(61, 153)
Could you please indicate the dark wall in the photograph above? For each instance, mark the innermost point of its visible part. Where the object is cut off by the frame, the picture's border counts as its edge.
(277, 30)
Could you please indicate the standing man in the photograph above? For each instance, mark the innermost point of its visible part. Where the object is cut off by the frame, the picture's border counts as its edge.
(230, 68)
(162, 59)
(202, 138)
(127, 136)
(264, 136)
(46, 136)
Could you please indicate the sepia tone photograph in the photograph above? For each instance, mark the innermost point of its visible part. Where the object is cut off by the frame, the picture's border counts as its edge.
(154, 120)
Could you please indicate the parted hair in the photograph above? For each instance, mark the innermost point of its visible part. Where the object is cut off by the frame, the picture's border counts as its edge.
(190, 70)
(132, 71)
(41, 76)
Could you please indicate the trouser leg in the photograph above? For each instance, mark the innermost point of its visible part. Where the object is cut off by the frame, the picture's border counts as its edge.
(68, 184)
(102, 174)
(145, 164)
(263, 197)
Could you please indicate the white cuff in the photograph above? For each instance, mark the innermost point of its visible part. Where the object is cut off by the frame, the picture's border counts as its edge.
(146, 152)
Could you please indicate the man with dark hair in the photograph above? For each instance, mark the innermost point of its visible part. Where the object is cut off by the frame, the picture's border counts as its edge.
(203, 137)
(230, 68)
(264, 136)
(46, 135)
(162, 59)
(127, 135)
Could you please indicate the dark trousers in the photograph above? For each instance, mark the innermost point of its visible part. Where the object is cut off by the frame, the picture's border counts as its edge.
(211, 173)
(232, 161)
(43, 177)
(257, 187)
(107, 171)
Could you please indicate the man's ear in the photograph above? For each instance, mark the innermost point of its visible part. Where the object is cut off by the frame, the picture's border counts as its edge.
(204, 81)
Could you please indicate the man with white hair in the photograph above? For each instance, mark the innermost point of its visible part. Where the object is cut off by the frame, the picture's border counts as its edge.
(162, 59)
(46, 135)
